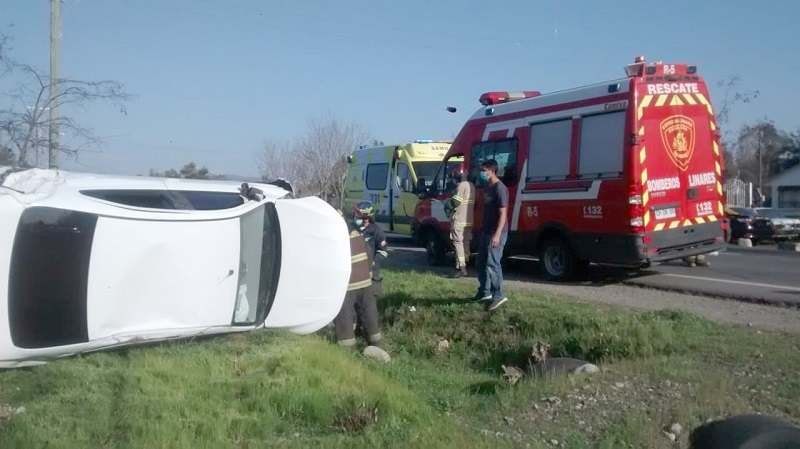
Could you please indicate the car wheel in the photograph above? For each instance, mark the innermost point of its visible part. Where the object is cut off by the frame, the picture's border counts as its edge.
(434, 247)
(557, 260)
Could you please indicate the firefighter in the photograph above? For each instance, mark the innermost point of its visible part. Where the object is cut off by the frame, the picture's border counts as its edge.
(696, 261)
(359, 301)
(364, 220)
(460, 209)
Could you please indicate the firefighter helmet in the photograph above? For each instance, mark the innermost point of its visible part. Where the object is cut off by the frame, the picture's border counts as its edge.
(458, 172)
(363, 210)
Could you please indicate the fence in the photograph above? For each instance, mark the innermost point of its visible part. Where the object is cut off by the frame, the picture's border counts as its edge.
(738, 193)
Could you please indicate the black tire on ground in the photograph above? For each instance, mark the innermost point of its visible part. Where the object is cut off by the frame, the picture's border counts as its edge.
(581, 269)
(434, 247)
(557, 260)
(746, 432)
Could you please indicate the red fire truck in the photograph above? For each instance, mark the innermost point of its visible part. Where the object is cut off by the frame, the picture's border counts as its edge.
(624, 172)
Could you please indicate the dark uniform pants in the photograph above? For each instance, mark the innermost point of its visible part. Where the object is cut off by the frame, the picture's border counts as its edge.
(358, 302)
(377, 289)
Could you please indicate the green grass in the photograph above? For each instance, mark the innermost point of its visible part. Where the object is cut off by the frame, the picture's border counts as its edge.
(274, 389)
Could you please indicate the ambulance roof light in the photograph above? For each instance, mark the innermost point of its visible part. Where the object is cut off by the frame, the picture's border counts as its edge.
(423, 141)
(490, 98)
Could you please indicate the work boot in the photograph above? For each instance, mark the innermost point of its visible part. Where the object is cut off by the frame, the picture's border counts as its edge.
(701, 261)
(459, 273)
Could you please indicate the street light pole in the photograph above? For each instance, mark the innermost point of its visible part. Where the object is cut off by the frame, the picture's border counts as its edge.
(55, 25)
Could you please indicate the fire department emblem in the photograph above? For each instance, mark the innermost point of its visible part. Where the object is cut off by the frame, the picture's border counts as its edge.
(677, 134)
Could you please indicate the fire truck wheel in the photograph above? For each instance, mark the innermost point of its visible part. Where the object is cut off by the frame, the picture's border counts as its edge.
(434, 247)
(557, 260)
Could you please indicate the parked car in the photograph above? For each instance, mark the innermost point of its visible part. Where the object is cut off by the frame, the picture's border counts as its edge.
(740, 223)
(89, 262)
(783, 226)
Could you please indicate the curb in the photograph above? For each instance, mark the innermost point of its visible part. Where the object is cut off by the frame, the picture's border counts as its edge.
(789, 246)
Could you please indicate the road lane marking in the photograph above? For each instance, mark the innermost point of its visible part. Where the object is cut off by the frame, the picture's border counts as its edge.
(729, 281)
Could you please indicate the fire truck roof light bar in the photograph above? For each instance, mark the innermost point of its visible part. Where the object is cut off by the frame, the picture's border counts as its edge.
(491, 98)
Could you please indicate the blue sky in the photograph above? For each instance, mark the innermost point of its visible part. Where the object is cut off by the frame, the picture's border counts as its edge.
(215, 78)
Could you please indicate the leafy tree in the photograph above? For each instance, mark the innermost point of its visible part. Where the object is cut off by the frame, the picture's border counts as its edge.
(189, 171)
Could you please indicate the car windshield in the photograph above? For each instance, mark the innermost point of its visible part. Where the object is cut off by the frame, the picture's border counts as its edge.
(426, 169)
(259, 265)
(770, 213)
(745, 211)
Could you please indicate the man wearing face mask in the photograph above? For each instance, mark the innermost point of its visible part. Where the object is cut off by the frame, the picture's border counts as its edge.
(494, 232)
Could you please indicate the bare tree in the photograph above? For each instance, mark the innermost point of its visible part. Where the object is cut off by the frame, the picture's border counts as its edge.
(278, 160)
(315, 163)
(731, 96)
(23, 123)
(323, 150)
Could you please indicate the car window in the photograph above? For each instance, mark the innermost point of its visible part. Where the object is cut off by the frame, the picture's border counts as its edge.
(152, 199)
(169, 199)
(503, 151)
(403, 172)
(259, 265)
(211, 200)
(377, 174)
(49, 276)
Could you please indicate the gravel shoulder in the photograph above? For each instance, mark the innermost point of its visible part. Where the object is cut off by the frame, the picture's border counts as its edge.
(518, 277)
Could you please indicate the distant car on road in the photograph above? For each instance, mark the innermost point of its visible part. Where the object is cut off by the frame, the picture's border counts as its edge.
(94, 261)
(783, 227)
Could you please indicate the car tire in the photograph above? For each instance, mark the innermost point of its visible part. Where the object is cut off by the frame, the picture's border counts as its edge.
(746, 431)
(434, 247)
(557, 260)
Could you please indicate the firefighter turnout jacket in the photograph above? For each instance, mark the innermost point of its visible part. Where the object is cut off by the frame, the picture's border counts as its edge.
(461, 205)
(376, 241)
(361, 260)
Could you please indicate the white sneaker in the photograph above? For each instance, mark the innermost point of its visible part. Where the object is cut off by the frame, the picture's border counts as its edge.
(496, 303)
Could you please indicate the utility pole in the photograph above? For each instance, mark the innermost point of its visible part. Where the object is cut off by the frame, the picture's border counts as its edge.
(55, 29)
(760, 137)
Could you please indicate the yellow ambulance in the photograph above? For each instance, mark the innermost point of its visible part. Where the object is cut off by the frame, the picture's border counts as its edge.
(390, 177)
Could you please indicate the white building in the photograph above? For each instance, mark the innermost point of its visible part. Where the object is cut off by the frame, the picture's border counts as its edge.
(786, 188)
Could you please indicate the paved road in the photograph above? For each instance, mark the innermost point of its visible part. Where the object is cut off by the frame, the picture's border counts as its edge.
(761, 275)
(755, 274)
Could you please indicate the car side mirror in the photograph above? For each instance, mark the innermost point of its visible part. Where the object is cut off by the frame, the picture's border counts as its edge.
(405, 185)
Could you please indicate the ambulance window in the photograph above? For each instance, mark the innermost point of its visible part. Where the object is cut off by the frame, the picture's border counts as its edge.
(549, 152)
(377, 174)
(403, 172)
(601, 149)
(503, 151)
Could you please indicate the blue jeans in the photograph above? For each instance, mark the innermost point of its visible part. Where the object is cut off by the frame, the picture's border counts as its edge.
(490, 273)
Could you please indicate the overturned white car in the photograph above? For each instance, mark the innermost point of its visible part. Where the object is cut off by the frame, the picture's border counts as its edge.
(94, 261)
